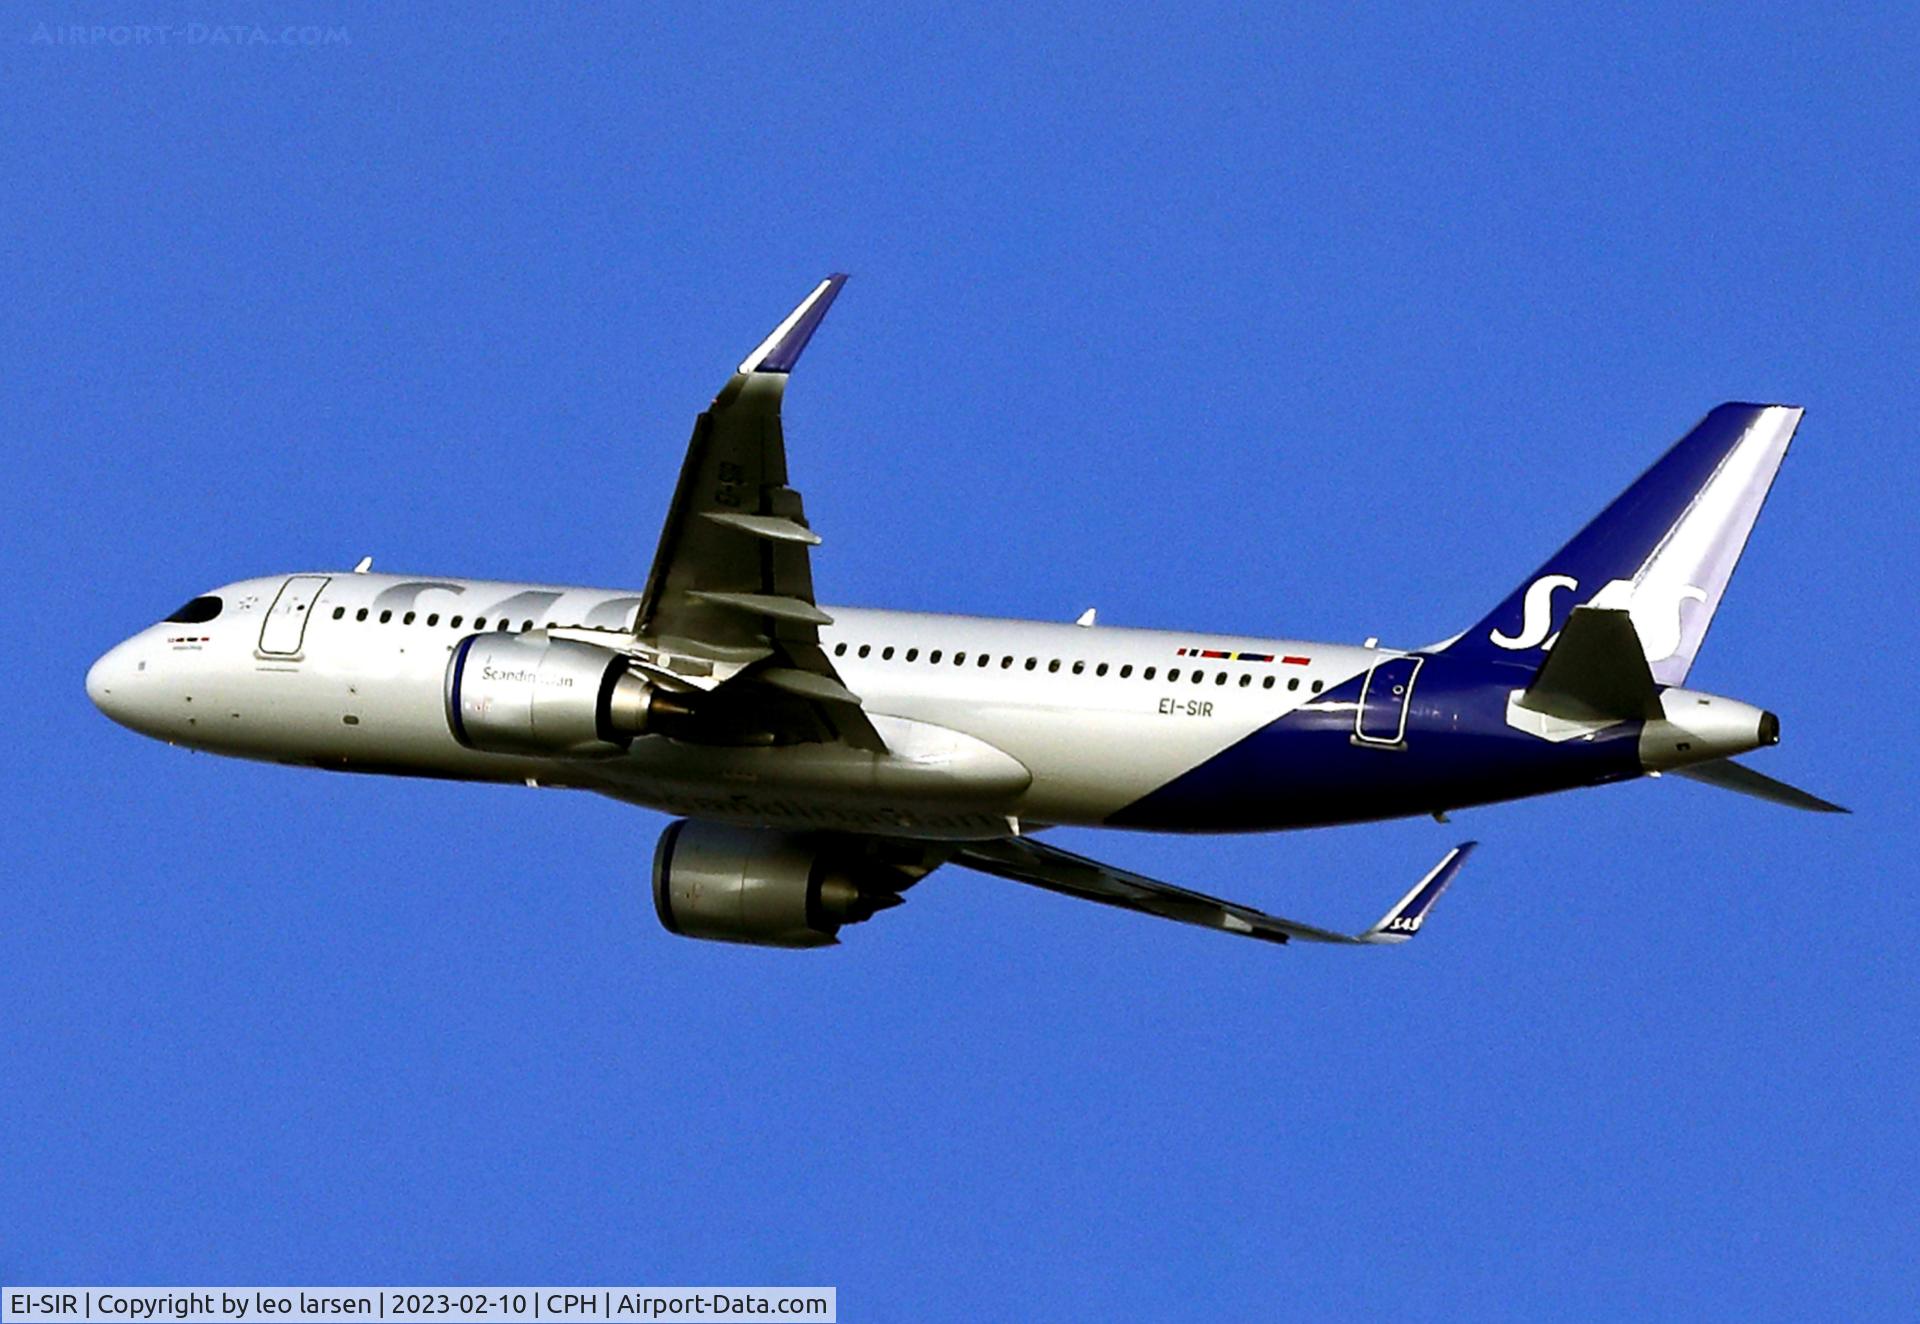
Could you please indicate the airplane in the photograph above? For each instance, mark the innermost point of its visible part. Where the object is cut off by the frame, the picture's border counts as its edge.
(820, 761)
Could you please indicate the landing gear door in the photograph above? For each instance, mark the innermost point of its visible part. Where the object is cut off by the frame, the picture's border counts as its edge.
(1382, 719)
(286, 623)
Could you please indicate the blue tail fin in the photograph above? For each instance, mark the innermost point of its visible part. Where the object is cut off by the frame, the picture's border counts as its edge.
(1662, 552)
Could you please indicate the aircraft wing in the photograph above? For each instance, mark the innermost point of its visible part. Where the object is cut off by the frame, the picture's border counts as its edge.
(729, 600)
(1025, 860)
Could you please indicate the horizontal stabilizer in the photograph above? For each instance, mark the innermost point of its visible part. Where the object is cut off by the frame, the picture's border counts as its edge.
(1597, 671)
(1731, 776)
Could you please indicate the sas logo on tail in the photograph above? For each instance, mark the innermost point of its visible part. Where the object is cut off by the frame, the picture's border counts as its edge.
(1405, 924)
(1654, 608)
(1538, 621)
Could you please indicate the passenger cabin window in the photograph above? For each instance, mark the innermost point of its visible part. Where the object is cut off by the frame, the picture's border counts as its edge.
(1100, 670)
(1126, 670)
(865, 649)
(913, 655)
(196, 611)
(1267, 684)
(1032, 662)
(1173, 674)
(433, 618)
(338, 612)
(1317, 687)
(839, 650)
(1079, 668)
(1148, 673)
(385, 616)
(360, 615)
(479, 622)
(455, 622)
(934, 656)
(1054, 665)
(407, 619)
(886, 654)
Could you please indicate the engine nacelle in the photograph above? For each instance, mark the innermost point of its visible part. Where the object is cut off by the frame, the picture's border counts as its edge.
(516, 694)
(767, 888)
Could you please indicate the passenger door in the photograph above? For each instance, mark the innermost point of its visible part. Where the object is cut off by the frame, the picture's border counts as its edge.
(1382, 719)
(286, 624)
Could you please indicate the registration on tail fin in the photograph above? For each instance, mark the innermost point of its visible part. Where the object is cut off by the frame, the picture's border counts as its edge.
(1663, 551)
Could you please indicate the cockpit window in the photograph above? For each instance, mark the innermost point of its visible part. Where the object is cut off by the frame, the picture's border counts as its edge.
(200, 609)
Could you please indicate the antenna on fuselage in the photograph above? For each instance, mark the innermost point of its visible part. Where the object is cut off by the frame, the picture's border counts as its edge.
(366, 564)
(1085, 619)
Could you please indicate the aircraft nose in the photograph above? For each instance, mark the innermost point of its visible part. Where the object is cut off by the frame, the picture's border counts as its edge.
(106, 676)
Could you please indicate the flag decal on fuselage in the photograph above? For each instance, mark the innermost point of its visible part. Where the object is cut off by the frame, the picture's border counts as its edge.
(1224, 656)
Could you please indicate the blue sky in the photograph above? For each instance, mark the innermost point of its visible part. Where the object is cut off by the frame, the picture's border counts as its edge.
(1327, 324)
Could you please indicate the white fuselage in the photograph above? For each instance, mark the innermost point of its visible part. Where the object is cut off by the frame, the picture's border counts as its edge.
(985, 720)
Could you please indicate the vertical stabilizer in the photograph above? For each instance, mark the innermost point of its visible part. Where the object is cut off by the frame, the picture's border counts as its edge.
(1662, 552)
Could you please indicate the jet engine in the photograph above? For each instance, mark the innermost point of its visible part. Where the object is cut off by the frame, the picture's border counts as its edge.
(528, 694)
(771, 889)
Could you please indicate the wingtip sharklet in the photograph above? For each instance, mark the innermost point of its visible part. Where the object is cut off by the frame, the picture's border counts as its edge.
(781, 350)
(1404, 920)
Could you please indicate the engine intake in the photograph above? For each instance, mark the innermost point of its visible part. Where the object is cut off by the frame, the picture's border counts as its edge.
(518, 694)
(766, 888)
